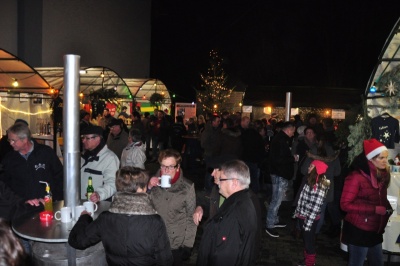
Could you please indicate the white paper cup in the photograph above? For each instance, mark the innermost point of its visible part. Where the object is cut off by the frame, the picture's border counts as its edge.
(65, 215)
(90, 207)
(165, 181)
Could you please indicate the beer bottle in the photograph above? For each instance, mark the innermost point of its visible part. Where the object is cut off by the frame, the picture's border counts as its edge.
(89, 189)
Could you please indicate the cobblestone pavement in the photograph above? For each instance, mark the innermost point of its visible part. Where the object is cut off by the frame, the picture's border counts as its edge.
(282, 251)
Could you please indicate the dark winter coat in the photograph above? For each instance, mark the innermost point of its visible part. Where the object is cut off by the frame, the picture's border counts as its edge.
(230, 142)
(280, 156)
(230, 237)
(131, 231)
(253, 146)
(361, 194)
(23, 176)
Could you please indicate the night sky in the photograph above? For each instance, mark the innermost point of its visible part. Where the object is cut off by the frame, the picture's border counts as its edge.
(286, 43)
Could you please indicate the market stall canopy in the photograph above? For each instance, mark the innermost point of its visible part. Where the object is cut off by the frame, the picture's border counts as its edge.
(91, 79)
(142, 89)
(386, 75)
(96, 78)
(17, 76)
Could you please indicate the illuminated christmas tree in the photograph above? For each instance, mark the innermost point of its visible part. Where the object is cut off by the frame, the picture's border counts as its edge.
(214, 90)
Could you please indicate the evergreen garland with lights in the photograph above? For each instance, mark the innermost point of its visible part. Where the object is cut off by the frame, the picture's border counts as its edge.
(214, 90)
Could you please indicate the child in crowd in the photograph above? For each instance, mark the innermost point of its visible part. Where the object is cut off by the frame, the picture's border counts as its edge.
(309, 207)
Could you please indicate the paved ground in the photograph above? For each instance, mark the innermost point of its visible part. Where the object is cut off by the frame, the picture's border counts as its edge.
(282, 251)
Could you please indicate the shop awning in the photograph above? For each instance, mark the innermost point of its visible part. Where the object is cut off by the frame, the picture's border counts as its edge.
(17, 76)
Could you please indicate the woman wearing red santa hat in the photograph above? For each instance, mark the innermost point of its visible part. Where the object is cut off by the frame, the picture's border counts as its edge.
(364, 199)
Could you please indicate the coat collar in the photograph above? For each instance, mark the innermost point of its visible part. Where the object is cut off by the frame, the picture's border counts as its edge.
(132, 204)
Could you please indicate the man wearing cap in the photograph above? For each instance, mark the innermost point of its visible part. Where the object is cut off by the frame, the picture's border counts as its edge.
(85, 118)
(118, 137)
(100, 163)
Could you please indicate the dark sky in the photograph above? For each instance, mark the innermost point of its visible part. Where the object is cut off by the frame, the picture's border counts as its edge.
(332, 43)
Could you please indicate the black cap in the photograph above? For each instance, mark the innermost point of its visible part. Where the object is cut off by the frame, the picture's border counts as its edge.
(83, 113)
(96, 130)
(115, 122)
(22, 121)
(124, 107)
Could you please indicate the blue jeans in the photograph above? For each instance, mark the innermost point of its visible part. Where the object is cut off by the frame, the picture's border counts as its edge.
(279, 187)
(358, 254)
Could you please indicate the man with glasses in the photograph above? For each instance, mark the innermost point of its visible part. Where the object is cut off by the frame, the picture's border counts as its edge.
(98, 162)
(231, 237)
(29, 163)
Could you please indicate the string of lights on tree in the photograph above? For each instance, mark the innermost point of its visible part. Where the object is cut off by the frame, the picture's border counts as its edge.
(214, 90)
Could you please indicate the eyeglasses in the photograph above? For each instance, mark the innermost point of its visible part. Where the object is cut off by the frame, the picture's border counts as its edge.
(88, 138)
(224, 179)
(12, 141)
(169, 168)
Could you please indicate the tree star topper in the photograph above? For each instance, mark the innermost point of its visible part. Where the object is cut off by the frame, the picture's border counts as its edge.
(391, 88)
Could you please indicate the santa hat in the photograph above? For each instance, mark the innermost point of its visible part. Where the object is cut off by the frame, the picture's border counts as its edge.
(320, 167)
(372, 147)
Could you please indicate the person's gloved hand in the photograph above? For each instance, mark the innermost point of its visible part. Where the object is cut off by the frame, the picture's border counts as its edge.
(381, 210)
(186, 253)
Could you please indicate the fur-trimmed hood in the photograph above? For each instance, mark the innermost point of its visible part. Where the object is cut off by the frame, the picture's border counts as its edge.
(132, 203)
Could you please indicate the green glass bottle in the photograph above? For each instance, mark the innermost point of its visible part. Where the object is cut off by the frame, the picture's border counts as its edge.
(89, 189)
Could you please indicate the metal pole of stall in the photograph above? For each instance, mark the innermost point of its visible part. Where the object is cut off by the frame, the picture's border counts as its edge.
(288, 105)
(71, 131)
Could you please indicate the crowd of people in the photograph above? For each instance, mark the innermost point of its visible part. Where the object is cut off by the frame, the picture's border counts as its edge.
(150, 224)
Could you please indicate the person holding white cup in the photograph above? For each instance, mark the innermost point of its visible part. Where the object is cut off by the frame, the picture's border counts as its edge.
(175, 201)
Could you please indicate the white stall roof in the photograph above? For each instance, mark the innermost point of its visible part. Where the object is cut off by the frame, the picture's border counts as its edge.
(387, 69)
(95, 78)
(13, 69)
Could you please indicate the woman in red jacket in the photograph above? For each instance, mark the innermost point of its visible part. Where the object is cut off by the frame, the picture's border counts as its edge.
(364, 198)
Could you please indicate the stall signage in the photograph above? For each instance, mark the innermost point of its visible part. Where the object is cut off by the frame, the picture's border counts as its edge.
(247, 109)
(338, 114)
(186, 110)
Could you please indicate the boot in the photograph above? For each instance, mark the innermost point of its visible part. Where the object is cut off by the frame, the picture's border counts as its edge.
(310, 259)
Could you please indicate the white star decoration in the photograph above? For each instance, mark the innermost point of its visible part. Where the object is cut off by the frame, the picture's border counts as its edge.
(391, 88)
(386, 135)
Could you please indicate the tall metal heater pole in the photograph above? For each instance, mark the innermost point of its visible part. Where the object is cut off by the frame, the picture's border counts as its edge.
(288, 105)
(71, 131)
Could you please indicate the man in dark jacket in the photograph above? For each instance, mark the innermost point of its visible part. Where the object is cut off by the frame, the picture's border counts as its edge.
(282, 170)
(231, 236)
(30, 163)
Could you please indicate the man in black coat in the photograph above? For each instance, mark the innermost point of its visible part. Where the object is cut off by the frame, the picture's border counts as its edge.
(282, 170)
(231, 237)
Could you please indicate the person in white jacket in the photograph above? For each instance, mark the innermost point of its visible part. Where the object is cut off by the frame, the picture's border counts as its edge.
(134, 153)
(100, 163)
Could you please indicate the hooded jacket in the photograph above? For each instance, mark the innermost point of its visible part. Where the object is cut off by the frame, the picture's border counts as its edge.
(361, 194)
(131, 231)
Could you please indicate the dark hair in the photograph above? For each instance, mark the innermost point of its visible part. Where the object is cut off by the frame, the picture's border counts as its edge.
(214, 117)
(287, 124)
(129, 179)
(11, 251)
(229, 122)
(170, 153)
(308, 128)
(135, 134)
